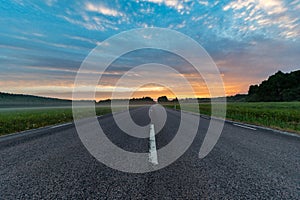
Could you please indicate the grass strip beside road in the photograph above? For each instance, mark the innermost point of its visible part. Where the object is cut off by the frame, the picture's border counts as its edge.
(278, 115)
(16, 120)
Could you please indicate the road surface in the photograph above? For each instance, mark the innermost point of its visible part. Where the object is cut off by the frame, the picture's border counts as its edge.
(52, 163)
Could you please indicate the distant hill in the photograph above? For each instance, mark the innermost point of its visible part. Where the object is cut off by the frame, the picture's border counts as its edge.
(278, 87)
(8, 100)
(20, 100)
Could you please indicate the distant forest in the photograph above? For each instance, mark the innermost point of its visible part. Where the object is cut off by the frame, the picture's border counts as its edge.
(278, 87)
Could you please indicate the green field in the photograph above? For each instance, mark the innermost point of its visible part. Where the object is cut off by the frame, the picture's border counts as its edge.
(278, 115)
(15, 120)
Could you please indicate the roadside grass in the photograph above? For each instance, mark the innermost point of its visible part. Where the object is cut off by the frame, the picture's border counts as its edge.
(278, 115)
(16, 120)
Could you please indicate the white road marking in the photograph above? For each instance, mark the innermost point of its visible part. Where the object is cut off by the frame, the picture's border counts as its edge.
(245, 127)
(152, 150)
(60, 125)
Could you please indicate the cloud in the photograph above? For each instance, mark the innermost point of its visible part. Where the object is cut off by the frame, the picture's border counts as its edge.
(269, 16)
(12, 47)
(81, 39)
(272, 6)
(50, 2)
(86, 24)
(256, 62)
(175, 4)
(90, 19)
(181, 25)
(205, 3)
(102, 10)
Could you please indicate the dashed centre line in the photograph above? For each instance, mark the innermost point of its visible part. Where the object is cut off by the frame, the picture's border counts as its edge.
(152, 150)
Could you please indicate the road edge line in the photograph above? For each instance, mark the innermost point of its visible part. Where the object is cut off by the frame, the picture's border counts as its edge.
(242, 126)
(207, 117)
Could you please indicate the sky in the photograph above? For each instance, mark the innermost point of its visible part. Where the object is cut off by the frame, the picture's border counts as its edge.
(44, 42)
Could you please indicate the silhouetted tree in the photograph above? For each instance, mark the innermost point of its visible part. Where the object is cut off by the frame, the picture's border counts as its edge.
(162, 99)
(175, 100)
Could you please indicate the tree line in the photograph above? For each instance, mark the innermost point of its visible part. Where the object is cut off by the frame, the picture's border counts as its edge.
(278, 87)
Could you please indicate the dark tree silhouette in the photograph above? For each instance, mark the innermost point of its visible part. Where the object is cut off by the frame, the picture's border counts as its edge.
(175, 100)
(162, 99)
(279, 87)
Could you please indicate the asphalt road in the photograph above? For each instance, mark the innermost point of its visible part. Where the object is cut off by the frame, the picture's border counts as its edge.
(52, 163)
